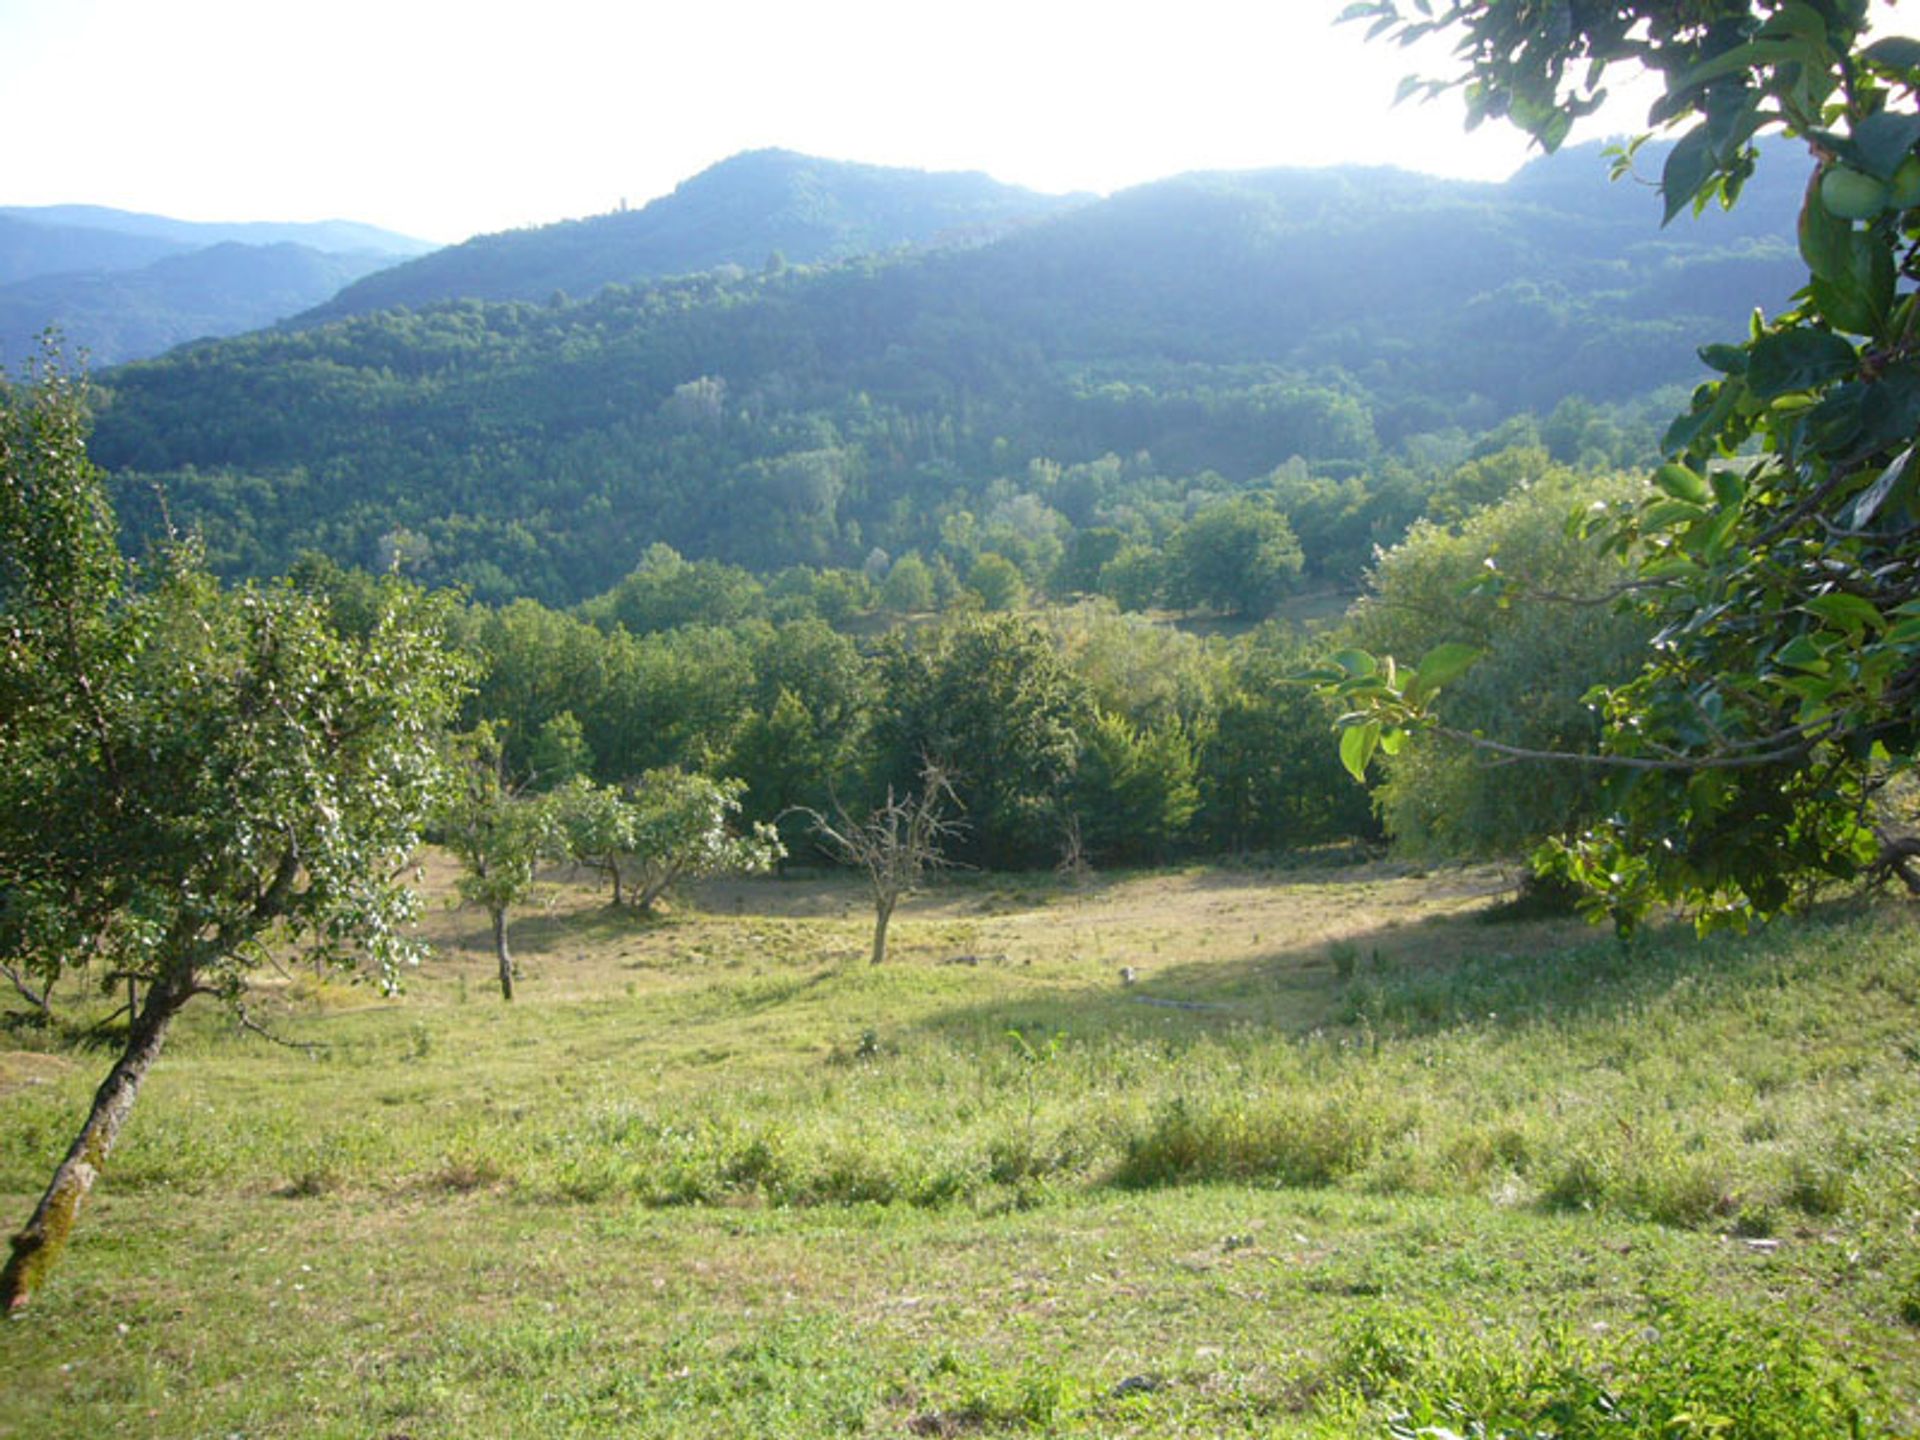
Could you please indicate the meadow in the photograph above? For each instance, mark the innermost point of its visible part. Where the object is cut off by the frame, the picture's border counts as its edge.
(1345, 1154)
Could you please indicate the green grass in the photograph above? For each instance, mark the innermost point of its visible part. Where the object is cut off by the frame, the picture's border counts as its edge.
(1342, 1155)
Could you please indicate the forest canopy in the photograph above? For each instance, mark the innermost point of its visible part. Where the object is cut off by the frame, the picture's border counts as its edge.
(1110, 369)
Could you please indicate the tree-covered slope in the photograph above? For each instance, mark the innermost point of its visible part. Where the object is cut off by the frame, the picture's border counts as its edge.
(1205, 330)
(225, 288)
(30, 247)
(740, 212)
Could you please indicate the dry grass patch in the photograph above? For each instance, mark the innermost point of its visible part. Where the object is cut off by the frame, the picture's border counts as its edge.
(21, 1068)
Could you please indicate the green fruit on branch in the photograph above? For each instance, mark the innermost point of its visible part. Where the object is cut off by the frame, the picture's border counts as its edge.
(1852, 194)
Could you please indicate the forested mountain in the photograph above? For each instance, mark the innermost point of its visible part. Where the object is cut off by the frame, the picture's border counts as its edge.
(221, 289)
(122, 285)
(29, 248)
(742, 212)
(1105, 370)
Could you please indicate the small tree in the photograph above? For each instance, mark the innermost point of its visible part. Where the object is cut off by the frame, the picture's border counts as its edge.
(898, 842)
(908, 588)
(597, 830)
(560, 752)
(187, 775)
(990, 696)
(1134, 790)
(497, 834)
(998, 582)
(1537, 663)
(665, 827)
(1238, 557)
(682, 829)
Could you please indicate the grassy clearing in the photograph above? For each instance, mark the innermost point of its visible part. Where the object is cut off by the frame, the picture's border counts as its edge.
(1342, 1152)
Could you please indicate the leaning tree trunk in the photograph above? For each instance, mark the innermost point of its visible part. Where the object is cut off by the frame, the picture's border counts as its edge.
(500, 950)
(882, 913)
(38, 1245)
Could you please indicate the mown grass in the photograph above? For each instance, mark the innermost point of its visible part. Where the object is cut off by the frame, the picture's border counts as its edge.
(1342, 1154)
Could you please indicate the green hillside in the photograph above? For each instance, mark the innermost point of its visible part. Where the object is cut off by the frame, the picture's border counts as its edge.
(1203, 331)
(222, 288)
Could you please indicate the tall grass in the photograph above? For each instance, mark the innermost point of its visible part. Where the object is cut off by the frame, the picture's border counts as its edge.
(1746, 1085)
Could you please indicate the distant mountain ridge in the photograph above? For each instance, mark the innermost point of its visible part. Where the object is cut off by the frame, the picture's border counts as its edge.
(116, 315)
(739, 212)
(341, 237)
(123, 285)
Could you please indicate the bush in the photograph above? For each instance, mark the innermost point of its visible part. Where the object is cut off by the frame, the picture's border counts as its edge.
(1293, 1139)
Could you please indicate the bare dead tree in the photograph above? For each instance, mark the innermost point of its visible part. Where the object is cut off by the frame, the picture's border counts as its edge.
(1076, 861)
(897, 843)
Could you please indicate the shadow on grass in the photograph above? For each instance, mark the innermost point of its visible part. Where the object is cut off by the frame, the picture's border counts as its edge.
(1409, 980)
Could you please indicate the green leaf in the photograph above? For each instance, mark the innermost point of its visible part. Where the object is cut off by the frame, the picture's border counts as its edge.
(1896, 52)
(1356, 662)
(1800, 358)
(1357, 744)
(1727, 359)
(1682, 483)
(1755, 54)
(1802, 654)
(1882, 141)
(1875, 495)
(1719, 534)
(1890, 407)
(1444, 664)
(1703, 420)
(1317, 675)
(1798, 19)
(1665, 514)
(1857, 294)
(1847, 612)
(1690, 164)
(1673, 566)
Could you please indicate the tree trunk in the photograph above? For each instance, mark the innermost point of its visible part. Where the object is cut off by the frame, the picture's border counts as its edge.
(882, 913)
(653, 882)
(500, 950)
(38, 1245)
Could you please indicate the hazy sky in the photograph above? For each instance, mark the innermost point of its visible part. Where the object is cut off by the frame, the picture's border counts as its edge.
(447, 119)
